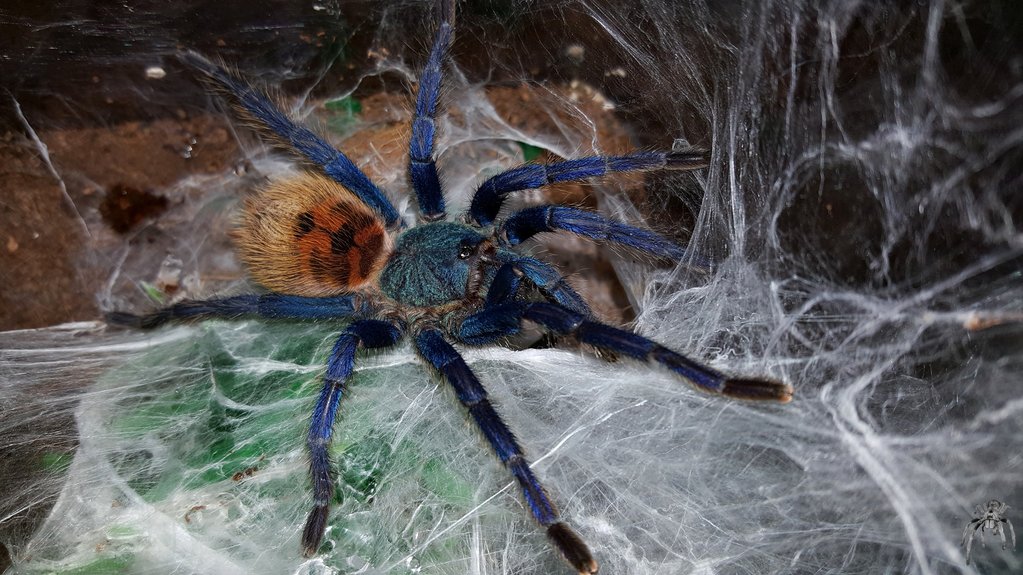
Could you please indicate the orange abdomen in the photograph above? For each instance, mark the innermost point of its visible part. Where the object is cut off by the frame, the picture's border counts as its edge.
(310, 236)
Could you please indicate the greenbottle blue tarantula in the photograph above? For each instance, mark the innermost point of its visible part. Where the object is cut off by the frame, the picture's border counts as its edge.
(328, 245)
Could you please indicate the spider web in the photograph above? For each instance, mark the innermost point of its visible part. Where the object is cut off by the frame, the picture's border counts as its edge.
(864, 205)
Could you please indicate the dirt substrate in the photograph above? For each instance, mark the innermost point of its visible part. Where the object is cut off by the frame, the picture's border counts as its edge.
(78, 194)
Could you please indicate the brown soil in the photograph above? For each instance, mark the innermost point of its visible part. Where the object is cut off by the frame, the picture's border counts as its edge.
(113, 180)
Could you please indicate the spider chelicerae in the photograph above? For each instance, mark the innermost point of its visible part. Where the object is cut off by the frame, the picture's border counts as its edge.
(329, 245)
(988, 516)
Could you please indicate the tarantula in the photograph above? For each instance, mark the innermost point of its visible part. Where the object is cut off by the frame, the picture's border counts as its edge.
(991, 516)
(329, 245)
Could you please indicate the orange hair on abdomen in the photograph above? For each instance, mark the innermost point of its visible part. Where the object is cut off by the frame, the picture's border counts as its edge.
(310, 236)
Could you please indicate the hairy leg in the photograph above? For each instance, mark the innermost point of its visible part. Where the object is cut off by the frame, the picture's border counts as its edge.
(270, 305)
(257, 108)
(487, 200)
(505, 319)
(526, 223)
(422, 165)
(470, 392)
(540, 274)
(370, 334)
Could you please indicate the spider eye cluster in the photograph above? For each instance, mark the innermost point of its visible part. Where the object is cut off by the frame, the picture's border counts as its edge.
(465, 250)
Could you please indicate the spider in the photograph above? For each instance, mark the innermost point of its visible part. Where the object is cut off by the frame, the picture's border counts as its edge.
(328, 245)
(991, 516)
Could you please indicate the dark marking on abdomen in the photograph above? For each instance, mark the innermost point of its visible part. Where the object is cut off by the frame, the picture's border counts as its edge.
(342, 240)
(326, 267)
(304, 224)
(344, 256)
(370, 254)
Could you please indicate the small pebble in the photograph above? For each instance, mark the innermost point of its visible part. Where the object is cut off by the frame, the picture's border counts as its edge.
(576, 53)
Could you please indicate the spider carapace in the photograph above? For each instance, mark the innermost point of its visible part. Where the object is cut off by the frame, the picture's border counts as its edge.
(328, 245)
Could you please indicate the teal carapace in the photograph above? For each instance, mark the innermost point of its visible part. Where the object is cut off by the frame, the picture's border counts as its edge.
(430, 265)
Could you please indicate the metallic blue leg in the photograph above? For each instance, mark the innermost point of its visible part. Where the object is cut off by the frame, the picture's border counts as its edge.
(487, 200)
(270, 305)
(470, 392)
(545, 277)
(502, 320)
(492, 323)
(256, 107)
(505, 285)
(526, 223)
(422, 167)
(371, 334)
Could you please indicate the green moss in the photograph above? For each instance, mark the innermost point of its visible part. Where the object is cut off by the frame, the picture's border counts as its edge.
(347, 104)
(343, 113)
(530, 152)
(446, 484)
(154, 293)
(102, 566)
(55, 461)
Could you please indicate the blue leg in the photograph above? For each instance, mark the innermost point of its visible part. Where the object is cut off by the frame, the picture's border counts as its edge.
(503, 289)
(487, 200)
(491, 323)
(505, 285)
(270, 305)
(470, 392)
(371, 334)
(545, 277)
(422, 168)
(526, 223)
(256, 107)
